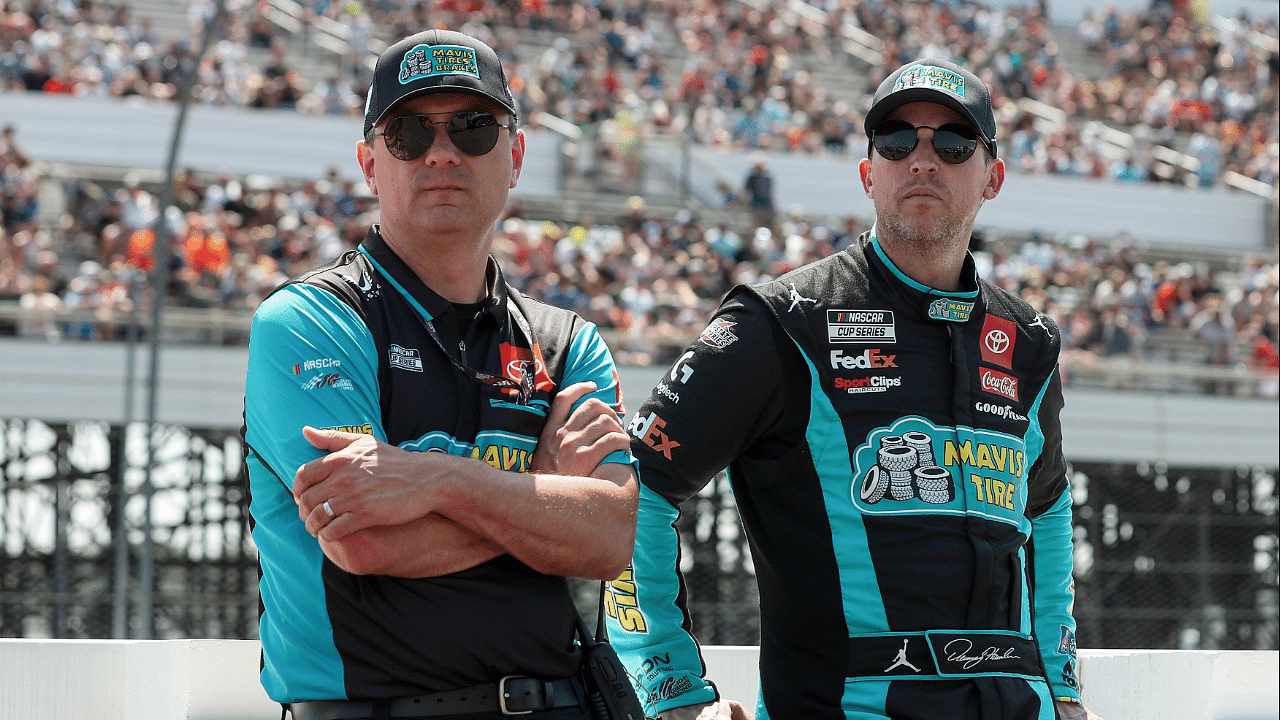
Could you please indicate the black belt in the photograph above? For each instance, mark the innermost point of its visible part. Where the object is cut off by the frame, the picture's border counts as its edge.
(513, 695)
(943, 654)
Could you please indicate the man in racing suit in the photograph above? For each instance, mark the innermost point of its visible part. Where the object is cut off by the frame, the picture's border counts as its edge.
(425, 465)
(890, 426)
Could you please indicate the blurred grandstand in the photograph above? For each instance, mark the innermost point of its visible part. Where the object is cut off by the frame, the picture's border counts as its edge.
(1149, 136)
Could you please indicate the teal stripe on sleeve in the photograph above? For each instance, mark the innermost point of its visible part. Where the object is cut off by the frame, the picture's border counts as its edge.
(1055, 595)
(311, 362)
(860, 590)
(644, 620)
(589, 359)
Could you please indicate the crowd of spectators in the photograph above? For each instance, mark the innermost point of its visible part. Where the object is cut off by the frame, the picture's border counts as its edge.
(649, 283)
(725, 73)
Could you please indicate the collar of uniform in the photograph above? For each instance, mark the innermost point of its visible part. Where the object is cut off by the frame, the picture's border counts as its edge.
(427, 301)
(933, 303)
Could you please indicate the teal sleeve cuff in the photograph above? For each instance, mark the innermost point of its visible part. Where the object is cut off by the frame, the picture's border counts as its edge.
(647, 621)
(1054, 598)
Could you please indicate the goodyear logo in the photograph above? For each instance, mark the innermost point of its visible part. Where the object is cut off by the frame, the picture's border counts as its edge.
(429, 60)
(622, 602)
(928, 76)
(950, 310)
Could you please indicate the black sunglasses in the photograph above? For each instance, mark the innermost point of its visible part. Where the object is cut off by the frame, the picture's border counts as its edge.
(474, 133)
(954, 143)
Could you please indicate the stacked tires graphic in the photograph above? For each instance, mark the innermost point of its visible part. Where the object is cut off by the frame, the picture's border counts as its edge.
(906, 469)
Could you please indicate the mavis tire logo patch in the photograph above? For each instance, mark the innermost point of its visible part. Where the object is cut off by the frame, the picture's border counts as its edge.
(915, 467)
(861, 326)
(1067, 643)
(928, 76)
(950, 310)
(905, 469)
(427, 60)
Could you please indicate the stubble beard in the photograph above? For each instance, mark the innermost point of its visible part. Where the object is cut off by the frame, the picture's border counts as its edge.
(925, 237)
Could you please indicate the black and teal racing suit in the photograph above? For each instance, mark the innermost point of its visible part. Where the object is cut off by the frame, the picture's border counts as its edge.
(349, 347)
(895, 455)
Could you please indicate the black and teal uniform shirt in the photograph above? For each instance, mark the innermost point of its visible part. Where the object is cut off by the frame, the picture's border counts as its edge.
(347, 347)
(895, 454)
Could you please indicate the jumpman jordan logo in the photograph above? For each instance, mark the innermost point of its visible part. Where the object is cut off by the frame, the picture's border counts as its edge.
(1039, 322)
(901, 659)
(797, 298)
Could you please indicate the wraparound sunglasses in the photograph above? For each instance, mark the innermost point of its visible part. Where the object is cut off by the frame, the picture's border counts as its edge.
(408, 137)
(954, 143)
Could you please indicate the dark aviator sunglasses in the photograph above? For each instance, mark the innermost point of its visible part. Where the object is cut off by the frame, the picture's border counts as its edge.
(954, 143)
(475, 133)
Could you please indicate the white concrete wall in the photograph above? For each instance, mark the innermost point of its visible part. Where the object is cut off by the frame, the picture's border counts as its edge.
(218, 680)
(132, 680)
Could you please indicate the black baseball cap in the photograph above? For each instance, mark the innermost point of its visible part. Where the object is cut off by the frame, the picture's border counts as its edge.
(434, 61)
(936, 81)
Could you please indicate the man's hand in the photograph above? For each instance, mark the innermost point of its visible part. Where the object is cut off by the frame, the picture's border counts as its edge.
(574, 444)
(1074, 711)
(365, 481)
(718, 710)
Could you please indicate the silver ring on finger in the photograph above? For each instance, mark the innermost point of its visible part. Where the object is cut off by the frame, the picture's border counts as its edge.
(329, 509)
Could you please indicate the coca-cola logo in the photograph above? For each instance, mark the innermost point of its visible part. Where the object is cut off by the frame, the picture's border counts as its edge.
(994, 381)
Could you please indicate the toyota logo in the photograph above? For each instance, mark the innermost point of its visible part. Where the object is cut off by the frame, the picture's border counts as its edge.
(997, 341)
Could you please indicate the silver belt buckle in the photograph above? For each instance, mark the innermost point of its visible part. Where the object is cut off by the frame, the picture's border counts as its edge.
(502, 695)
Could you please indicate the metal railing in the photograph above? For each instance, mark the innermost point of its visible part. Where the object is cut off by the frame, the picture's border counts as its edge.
(1170, 361)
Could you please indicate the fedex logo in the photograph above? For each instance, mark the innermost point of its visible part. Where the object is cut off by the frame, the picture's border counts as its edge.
(649, 429)
(865, 360)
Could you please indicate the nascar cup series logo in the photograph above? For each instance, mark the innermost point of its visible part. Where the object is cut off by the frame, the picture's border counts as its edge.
(916, 467)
